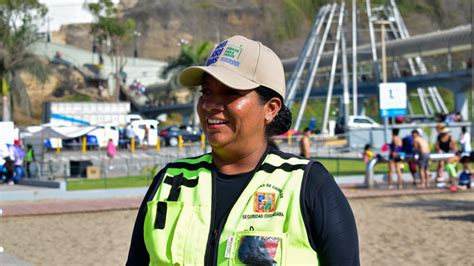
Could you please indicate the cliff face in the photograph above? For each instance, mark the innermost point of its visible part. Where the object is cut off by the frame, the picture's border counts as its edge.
(280, 24)
(164, 23)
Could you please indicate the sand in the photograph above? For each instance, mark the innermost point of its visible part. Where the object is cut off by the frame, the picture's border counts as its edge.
(409, 230)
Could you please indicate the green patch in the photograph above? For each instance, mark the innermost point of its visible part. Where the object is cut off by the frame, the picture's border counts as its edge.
(346, 167)
(232, 52)
(78, 97)
(104, 183)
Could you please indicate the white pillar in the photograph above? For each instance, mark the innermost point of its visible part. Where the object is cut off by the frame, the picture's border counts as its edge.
(460, 103)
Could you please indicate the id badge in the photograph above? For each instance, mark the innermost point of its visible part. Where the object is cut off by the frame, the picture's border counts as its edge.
(258, 250)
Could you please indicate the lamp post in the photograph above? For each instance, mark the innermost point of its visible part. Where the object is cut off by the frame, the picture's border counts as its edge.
(136, 34)
(384, 69)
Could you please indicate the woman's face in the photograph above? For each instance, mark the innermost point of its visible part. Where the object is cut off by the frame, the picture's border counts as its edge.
(230, 118)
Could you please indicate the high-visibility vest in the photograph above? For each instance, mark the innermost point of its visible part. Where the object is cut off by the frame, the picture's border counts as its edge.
(29, 155)
(265, 225)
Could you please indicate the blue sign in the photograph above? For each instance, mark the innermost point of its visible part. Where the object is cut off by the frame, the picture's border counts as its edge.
(393, 112)
(393, 99)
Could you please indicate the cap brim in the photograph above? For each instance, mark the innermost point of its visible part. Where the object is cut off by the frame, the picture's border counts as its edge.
(192, 76)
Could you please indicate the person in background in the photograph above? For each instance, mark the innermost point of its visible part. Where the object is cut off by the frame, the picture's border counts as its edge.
(408, 149)
(395, 160)
(17, 155)
(305, 143)
(111, 152)
(465, 141)
(130, 135)
(243, 203)
(422, 148)
(465, 180)
(146, 136)
(29, 158)
(7, 171)
(450, 167)
(367, 154)
(444, 144)
(4, 152)
(466, 150)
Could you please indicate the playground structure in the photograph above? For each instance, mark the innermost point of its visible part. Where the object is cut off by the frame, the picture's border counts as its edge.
(326, 55)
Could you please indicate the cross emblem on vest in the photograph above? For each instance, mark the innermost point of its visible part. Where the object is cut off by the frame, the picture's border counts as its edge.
(176, 182)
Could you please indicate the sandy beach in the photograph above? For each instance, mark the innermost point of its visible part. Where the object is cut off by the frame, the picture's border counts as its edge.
(407, 230)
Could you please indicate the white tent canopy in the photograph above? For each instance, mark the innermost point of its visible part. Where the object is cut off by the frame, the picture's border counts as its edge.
(61, 132)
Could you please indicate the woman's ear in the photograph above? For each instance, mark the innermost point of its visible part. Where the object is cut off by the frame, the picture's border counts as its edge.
(272, 107)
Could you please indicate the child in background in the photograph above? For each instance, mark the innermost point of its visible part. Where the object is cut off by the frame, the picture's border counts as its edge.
(7, 170)
(111, 151)
(368, 154)
(409, 150)
(466, 174)
(450, 167)
(465, 180)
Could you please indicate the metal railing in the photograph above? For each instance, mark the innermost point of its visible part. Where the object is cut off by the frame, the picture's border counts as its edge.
(369, 170)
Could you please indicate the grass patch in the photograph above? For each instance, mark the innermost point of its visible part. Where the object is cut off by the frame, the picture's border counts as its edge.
(343, 167)
(78, 97)
(103, 183)
(337, 167)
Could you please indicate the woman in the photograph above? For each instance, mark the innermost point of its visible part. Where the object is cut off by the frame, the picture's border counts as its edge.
(241, 202)
(395, 162)
(111, 151)
(444, 144)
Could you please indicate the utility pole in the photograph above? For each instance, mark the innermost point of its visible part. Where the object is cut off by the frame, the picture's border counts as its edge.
(48, 34)
(136, 34)
(354, 58)
(384, 69)
(472, 79)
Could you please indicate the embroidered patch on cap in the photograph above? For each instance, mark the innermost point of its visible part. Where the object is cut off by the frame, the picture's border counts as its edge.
(231, 55)
(264, 202)
(216, 53)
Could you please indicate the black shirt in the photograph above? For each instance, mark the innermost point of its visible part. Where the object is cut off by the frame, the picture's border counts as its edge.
(328, 217)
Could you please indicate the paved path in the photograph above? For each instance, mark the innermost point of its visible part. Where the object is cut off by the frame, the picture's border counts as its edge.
(63, 206)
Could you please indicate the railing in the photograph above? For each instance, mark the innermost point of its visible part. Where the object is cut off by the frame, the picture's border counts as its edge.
(369, 170)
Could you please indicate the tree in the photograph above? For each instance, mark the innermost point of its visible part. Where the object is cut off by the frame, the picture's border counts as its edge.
(189, 56)
(18, 30)
(112, 31)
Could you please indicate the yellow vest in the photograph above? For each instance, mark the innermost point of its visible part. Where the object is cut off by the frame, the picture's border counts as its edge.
(265, 225)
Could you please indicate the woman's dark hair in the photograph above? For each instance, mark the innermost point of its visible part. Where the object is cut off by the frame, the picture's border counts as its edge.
(282, 121)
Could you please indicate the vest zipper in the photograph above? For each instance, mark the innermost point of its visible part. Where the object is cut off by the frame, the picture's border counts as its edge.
(217, 235)
(209, 257)
(214, 234)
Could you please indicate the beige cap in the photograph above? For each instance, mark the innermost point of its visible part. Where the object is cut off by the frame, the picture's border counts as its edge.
(241, 64)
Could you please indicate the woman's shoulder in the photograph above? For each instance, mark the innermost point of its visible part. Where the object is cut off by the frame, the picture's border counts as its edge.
(290, 157)
(196, 160)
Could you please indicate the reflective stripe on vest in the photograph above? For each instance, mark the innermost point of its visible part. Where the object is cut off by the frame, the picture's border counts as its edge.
(266, 217)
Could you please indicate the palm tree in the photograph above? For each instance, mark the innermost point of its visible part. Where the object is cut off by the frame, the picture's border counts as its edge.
(189, 56)
(17, 32)
(114, 30)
